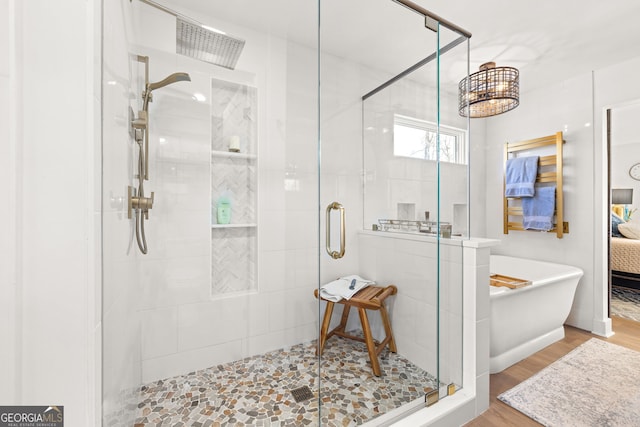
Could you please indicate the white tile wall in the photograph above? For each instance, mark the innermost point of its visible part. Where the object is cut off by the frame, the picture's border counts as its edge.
(464, 337)
(174, 278)
(414, 311)
(477, 320)
(483, 340)
(159, 332)
(187, 361)
(273, 274)
(210, 323)
(392, 180)
(291, 308)
(280, 339)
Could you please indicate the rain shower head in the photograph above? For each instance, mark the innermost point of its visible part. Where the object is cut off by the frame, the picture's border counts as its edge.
(203, 43)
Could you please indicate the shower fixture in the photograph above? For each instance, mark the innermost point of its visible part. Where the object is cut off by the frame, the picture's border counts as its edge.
(140, 130)
(173, 78)
(203, 42)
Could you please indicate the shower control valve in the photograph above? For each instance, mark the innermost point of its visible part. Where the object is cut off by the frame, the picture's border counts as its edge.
(142, 203)
(146, 203)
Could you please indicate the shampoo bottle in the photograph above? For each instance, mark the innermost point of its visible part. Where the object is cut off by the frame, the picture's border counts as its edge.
(224, 210)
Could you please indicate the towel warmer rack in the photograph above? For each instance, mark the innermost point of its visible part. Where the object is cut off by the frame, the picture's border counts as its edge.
(553, 162)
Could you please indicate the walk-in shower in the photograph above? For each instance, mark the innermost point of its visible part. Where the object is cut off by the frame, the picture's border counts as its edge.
(219, 321)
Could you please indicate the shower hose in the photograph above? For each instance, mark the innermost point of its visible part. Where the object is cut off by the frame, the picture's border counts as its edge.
(140, 237)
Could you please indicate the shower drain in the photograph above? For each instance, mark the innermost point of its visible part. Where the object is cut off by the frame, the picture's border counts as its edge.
(301, 394)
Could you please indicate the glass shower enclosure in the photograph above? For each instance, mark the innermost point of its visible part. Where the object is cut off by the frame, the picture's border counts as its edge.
(328, 146)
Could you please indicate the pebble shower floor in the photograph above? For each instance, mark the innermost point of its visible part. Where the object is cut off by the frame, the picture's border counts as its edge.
(256, 391)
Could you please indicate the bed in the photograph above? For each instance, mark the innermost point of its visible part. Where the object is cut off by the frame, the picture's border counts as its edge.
(625, 262)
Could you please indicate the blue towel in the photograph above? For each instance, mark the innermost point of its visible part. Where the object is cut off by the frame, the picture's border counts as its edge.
(521, 176)
(537, 211)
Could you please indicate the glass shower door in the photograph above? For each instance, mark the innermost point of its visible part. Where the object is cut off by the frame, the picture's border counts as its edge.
(393, 153)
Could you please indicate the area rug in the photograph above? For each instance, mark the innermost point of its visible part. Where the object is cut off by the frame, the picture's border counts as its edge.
(597, 384)
(625, 303)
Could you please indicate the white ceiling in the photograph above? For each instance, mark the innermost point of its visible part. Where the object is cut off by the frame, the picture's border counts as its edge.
(548, 40)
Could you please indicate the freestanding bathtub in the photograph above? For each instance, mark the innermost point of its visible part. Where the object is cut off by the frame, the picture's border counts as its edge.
(527, 319)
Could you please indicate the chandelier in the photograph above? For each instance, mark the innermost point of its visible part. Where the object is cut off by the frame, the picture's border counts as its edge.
(489, 92)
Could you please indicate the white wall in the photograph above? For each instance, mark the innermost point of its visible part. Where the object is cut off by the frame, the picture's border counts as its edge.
(625, 149)
(566, 106)
(622, 158)
(50, 226)
(8, 217)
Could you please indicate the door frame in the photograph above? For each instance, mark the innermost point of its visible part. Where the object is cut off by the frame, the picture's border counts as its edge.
(607, 121)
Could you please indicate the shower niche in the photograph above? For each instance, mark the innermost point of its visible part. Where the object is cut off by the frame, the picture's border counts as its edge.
(233, 189)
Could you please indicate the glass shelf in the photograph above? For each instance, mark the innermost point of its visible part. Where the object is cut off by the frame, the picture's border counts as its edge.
(233, 225)
(232, 155)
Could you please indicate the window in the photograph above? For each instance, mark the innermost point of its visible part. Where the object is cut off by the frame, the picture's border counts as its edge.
(417, 139)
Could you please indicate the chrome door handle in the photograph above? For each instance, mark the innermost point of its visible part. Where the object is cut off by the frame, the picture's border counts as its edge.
(332, 253)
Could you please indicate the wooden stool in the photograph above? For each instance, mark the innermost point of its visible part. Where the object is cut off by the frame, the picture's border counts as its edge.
(369, 298)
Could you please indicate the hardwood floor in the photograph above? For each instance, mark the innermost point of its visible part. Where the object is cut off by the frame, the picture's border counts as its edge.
(499, 414)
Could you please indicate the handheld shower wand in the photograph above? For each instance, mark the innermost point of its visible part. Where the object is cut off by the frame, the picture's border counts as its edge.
(140, 126)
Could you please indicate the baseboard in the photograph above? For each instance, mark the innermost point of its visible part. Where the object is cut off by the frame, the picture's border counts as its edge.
(512, 356)
(602, 327)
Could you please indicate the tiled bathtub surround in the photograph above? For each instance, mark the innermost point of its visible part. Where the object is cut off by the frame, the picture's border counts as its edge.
(257, 390)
